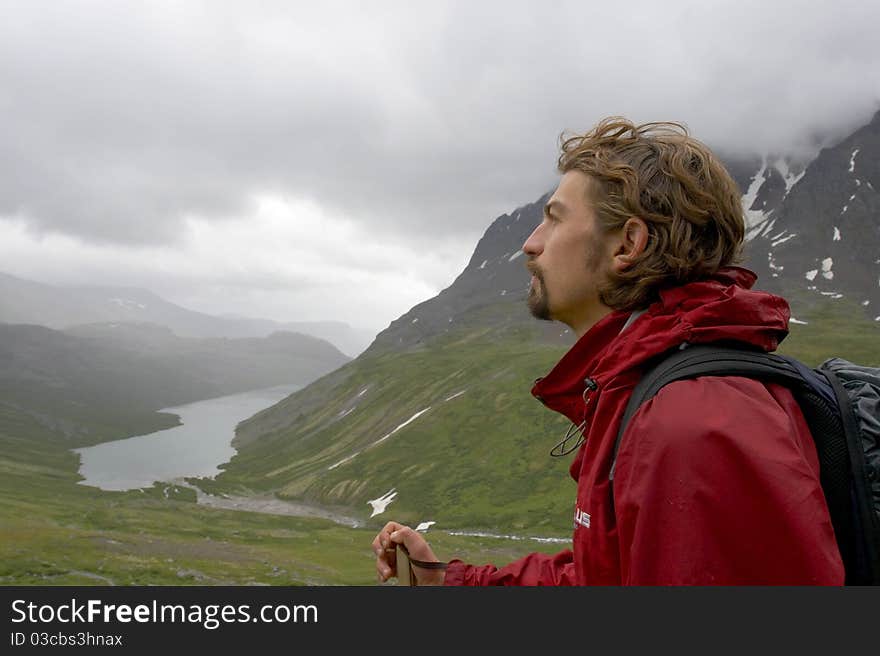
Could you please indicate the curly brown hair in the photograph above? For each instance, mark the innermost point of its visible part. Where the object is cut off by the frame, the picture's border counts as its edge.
(659, 173)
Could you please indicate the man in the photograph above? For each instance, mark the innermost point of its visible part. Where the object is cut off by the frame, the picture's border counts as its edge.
(716, 480)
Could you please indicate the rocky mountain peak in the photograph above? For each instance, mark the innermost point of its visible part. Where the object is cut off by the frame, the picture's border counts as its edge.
(813, 226)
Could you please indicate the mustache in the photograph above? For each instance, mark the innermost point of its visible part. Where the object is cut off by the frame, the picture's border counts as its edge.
(534, 270)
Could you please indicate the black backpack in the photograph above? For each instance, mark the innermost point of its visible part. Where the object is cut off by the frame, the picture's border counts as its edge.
(841, 404)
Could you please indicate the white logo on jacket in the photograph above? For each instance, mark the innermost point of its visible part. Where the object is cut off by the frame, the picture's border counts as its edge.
(581, 518)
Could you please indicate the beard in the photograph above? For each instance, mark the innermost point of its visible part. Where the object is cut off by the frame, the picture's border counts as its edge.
(539, 304)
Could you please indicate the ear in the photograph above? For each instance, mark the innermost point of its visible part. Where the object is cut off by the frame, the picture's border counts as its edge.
(631, 243)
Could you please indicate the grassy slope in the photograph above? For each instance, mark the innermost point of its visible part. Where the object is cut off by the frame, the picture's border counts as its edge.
(55, 532)
(58, 532)
(479, 460)
(835, 328)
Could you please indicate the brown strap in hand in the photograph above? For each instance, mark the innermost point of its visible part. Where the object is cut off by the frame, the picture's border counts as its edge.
(409, 578)
(422, 563)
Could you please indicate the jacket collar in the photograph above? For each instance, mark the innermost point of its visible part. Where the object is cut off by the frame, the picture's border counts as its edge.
(720, 307)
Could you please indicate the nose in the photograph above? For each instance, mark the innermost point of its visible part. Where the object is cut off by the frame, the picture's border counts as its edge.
(534, 245)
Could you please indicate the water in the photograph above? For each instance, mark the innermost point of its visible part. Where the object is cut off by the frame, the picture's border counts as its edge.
(195, 448)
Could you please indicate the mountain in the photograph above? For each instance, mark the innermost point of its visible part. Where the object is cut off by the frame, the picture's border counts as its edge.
(231, 364)
(88, 382)
(28, 302)
(814, 231)
(437, 411)
(817, 234)
(490, 292)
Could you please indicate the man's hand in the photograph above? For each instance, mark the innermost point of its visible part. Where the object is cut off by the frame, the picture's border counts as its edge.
(385, 548)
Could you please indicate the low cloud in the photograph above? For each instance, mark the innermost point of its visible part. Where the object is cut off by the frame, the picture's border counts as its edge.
(274, 264)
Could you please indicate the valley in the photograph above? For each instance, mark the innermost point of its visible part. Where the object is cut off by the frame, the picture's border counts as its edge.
(432, 424)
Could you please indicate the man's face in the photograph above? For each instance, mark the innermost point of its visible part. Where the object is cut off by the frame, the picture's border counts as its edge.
(568, 258)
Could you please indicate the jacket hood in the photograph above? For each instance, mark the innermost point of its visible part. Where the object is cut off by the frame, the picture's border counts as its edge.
(722, 307)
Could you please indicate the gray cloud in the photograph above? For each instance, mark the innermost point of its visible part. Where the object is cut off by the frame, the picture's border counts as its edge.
(121, 119)
(124, 122)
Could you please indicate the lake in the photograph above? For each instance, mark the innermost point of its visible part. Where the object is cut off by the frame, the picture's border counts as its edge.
(195, 448)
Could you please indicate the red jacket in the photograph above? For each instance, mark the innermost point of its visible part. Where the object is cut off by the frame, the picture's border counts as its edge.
(717, 480)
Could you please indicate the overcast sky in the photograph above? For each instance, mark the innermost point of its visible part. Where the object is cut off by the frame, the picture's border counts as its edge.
(310, 161)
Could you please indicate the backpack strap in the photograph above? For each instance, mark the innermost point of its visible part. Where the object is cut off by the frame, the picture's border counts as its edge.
(687, 362)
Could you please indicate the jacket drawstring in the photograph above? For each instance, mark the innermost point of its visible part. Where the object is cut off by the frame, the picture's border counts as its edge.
(576, 430)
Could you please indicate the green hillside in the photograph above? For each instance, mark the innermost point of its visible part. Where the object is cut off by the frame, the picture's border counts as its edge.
(92, 384)
(56, 532)
(835, 328)
(476, 461)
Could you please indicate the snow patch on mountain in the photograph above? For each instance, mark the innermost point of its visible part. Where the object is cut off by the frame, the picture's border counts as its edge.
(760, 229)
(127, 304)
(344, 460)
(381, 439)
(852, 160)
(380, 504)
(387, 435)
(403, 425)
(754, 217)
(481, 534)
(790, 178)
(827, 273)
(784, 239)
(792, 181)
(771, 263)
